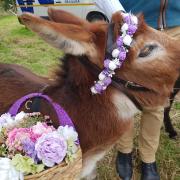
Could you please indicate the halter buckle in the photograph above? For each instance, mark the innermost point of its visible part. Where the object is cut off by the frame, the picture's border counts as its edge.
(128, 83)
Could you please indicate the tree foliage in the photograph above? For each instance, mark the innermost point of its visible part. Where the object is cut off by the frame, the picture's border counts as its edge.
(7, 4)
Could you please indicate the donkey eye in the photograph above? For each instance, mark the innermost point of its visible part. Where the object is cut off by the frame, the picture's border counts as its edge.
(147, 50)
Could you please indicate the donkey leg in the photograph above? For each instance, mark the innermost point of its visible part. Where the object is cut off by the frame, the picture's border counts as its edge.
(89, 165)
(167, 120)
(168, 125)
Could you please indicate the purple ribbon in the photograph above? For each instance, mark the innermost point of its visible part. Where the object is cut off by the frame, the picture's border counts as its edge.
(63, 117)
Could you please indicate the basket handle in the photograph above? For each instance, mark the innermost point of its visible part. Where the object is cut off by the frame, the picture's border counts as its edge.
(63, 117)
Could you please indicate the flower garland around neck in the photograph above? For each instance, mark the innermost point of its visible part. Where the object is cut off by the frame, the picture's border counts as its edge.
(119, 54)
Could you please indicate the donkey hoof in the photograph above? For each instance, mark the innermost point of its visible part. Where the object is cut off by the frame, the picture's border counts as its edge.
(173, 135)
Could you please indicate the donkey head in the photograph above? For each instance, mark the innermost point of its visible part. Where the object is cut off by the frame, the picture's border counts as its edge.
(153, 60)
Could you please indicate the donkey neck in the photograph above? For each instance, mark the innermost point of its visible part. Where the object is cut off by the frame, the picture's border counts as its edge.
(72, 90)
(72, 86)
(96, 117)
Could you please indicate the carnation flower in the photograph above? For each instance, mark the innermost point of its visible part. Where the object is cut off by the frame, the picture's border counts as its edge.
(7, 121)
(51, 148)
(20, 116)
(68, 133)
(42, 128)
(29, 149)
(71, 137)
(8, 171)
(17, 136)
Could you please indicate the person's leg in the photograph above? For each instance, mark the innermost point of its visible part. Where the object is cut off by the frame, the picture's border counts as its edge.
(124, 158)
(125, 143)
(150, 126)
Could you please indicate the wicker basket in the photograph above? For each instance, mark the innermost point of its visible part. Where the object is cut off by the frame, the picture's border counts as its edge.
(62, 171)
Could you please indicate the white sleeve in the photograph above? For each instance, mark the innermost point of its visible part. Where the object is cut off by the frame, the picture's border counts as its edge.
(109, 7)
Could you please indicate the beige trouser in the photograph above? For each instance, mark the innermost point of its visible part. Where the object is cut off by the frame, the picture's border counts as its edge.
(150, 125)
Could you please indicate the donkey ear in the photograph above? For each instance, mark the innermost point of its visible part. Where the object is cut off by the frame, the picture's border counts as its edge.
(61, 16)
(72, 39)
(117, 19)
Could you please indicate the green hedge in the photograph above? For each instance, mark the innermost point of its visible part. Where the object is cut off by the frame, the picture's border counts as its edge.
(6, 4)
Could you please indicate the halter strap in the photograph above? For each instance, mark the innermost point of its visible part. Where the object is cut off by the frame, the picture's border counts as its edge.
(63, 117)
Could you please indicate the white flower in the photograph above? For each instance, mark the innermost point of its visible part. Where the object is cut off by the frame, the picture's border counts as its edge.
(20, 116)
(112, 66)
(104, 87)
(93, 90)
(7, 170)
(115, 53)
(127, 40)
(68, 133)
(124, 27)
(101, 76)
(117, 62)
(134, 19)
(6, 119)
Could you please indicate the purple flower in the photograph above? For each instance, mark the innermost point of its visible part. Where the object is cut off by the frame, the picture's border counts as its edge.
(51, 148)
(119, 54)
(107, 81)
(127, 19)
(132, 29)
(106, 63)
(122, 56)
(29, 149)
(119, 41)
(105, 72)
(98, 87)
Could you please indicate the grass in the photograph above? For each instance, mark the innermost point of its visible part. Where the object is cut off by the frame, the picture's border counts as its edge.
(168, 155)
(19, 45)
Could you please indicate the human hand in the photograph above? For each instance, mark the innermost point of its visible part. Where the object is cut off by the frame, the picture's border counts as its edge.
(109, 7)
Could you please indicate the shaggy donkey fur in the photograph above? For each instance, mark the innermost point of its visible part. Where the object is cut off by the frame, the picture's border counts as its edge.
(99, 119)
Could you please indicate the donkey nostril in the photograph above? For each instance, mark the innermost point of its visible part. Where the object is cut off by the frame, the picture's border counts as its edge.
(24, 19)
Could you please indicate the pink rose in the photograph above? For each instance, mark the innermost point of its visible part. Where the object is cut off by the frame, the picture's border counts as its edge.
(16, 136)
(42, 128)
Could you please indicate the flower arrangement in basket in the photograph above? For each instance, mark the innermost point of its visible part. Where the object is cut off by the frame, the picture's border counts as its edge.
(31, 148)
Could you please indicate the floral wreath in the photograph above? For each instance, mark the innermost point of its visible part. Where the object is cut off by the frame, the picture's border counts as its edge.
(119, 54)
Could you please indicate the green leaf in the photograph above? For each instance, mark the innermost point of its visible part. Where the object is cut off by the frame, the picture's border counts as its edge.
(26, 164)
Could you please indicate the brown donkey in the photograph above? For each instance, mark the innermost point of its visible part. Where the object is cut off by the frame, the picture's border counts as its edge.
(153, 62)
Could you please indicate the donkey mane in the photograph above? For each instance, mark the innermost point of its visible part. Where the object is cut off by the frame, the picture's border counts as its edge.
(71, 89)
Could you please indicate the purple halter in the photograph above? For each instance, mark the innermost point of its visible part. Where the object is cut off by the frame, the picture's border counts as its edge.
(63, 117)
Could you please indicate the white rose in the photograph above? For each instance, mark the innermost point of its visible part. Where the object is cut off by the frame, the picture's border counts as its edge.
(68, 133)
(101, 76)
(8, 172)
(112, 66)
(124, 27)
(6, 119)
(115, 53)
(134, 19)
(93, 90)
(127, 40)
(20, 116)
